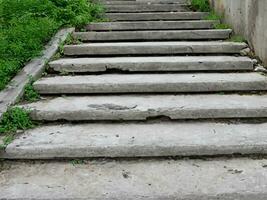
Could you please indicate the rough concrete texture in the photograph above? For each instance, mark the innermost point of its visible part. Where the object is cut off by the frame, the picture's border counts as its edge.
(167, 63)
(141, 107)
(219, 179)
(153, 35)
(142, 83)
(248, 18)
(146, 8)
(151, 25)
(139, 140)
(34, 69)
(163, 48)
(156, 16)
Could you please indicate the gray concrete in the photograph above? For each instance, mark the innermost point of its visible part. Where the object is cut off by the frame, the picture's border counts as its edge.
(138, 140)
(145, 2)
(141, 107)
(156, 16)
(248, 18)
(218, 179)
(152, 25)
(173, 63)
(146, 8)
(149, 83)
(153, 35)
(34, 69)
(148, 48)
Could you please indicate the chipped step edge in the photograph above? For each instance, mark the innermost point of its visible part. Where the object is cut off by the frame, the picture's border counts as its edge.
(15, 89)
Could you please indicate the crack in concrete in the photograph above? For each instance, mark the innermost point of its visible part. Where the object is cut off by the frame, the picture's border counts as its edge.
(111, 107)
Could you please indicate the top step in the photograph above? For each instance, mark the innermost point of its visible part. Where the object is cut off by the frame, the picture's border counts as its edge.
(133, 2)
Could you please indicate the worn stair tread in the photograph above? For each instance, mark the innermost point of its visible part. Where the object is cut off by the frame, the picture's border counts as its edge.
(146, 64)
(142, 107)
(152, 25)
(137, 8)
(139, 140)
(167, 179)
(156, 16)
(151, 83)
(158, 48)
(153, 35)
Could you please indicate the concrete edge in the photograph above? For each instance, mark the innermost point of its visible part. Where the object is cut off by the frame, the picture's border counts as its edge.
(15, 89)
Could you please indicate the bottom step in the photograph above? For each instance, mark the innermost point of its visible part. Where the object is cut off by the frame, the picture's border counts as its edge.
(139, 140)
(222, 179)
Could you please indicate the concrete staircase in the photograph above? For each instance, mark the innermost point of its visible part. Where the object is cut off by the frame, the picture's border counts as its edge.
(155, 103)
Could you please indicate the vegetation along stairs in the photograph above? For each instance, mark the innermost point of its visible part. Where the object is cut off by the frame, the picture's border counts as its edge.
(155, 84)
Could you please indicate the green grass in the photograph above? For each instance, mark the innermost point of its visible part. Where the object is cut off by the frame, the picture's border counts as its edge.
(26, 25)
(14, 119)
(200, 5)
(222, 26)
(212, 16)
(237, 38)
(30, 94)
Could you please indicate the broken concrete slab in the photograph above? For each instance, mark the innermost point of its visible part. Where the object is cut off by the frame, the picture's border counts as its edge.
(142, 107)
(158, 48)
(150, 64)
(151, 83)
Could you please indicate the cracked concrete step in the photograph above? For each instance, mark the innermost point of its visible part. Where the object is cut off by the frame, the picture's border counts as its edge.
(156, 16)
(145, 2)
(147, 64)
(151, 83)
(150, 48)
(153, 35)
(151, 25)
(139, 8)
(168, 179)
(139, 140)
(142, 107)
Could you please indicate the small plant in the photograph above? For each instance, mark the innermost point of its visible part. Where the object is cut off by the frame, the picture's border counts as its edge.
(14, 119)
(222, 26)
(237, 38)
(212, 16)
(200, 5)
(30, 94)
(77, 162)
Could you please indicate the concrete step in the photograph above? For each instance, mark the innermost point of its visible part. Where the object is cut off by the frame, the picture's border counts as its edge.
(151, 83)
(168, 179)
(151, 25)
(128, 2)
(153, 64)
(153, 35)
(139, 8)
(156, 48)
(139, 140)
(156, 16)
(142, 107)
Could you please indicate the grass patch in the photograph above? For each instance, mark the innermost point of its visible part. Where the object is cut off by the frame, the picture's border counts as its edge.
(200, 5)
(237, 38)
(26, 25)
(30, 94)
(212, 16)
(222, 26)
(13, 120)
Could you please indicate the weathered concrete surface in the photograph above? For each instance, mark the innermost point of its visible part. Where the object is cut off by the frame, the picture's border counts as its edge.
(248, 18)
(34, 69)
(146, 8)
(148, 48)
(139, 140)
(156, 16)
(141, 107)
(166, 63)
(223, 179)
(153, 35)
(149, 83)
(152, 25)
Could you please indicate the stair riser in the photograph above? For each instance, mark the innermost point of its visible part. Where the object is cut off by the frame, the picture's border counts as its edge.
(155, 16)
(146, 8)
(152, 35)
(170, 25)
